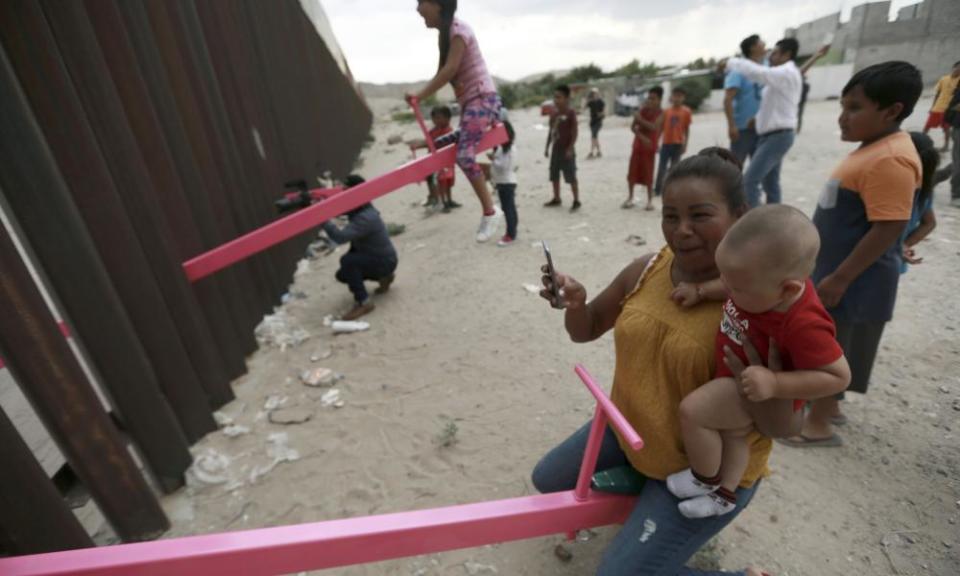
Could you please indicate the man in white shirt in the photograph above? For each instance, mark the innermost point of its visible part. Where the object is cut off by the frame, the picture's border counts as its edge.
(776, 121)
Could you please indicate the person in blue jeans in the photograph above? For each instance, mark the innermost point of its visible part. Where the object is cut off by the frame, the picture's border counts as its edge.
(664, 351)
(776, 120)
(741, 102)
(371, 255)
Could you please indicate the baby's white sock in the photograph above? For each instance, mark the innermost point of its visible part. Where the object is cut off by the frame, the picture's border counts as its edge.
(686, 485)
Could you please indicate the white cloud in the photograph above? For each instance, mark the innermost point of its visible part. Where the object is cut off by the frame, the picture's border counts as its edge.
(386, 41)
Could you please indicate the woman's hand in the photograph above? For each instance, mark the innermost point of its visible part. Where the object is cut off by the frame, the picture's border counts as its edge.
(831, 290)
(686, 295)
(910, 256)
(410, 97)
(571, 294)
(756, 382)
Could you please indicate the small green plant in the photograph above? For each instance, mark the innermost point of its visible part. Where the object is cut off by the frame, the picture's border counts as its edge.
(403, 117)
(448, 436)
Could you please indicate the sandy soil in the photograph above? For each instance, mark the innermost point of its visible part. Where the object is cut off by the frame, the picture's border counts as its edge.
(461, 353)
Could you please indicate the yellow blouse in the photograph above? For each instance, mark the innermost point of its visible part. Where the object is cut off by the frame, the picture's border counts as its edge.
(664, 353)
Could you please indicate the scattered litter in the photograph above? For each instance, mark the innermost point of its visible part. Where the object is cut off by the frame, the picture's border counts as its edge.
(561, 552)
(289, 416)
(394, 229)
(278, 330)
(210, 467)
(475, 569)
(584, 239)
(531, 288)
(579, 226)
(322, 246)
(586, 535)
(636, 240)
(235, 430)
(320, 377)
(293, 295)
(416, 247)
(322, 355)
(346, 327)
(274, 401)
(222, 419)
(278, 450)
(332, 398)
(303, 267)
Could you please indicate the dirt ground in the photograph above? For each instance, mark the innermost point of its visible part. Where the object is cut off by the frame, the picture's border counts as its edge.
(465, 379)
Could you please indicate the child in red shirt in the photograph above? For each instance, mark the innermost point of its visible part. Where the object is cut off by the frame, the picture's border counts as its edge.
(765, 261)
(646, 130)
(440, 185)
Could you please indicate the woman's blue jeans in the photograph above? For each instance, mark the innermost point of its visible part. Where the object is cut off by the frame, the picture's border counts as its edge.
(656, 540)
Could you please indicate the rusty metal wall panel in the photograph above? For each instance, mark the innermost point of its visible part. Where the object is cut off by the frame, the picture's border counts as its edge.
(212, 317)
(50, 376)
(36, 192)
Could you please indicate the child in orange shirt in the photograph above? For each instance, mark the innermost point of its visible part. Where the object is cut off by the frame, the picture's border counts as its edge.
(676, 133)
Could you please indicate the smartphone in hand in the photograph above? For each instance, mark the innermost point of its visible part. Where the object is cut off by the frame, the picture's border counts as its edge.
(552, 272)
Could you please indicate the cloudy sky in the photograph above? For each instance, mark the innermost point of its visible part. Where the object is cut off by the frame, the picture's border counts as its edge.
(385, 40)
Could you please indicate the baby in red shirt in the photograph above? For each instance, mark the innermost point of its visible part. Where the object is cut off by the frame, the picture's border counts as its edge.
(765, 261)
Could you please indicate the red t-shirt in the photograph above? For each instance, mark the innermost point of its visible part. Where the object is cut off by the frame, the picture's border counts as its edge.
(563, 124)
(446, 175)
(805, 335)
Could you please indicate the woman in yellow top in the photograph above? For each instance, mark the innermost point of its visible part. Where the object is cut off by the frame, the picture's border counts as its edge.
(663, 352)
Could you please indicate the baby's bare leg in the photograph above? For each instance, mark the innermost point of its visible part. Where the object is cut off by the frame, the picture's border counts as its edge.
(775, 417)
(736, 456)
(714, 407)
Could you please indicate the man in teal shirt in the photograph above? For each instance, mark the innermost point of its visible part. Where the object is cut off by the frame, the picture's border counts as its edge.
(742, 101)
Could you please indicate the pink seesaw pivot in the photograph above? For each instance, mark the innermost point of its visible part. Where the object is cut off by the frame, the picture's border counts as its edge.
(333, 543)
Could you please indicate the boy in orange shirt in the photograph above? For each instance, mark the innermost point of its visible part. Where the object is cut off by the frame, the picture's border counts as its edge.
(676, 133)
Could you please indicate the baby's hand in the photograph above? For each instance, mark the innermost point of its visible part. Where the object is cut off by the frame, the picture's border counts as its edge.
(686, 294)
(758, 383)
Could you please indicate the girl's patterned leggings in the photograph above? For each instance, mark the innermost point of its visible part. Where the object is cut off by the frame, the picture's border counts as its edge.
(476, 117)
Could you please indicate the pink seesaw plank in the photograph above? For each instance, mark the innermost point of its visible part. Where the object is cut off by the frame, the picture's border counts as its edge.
(290, 549)
(303, 220)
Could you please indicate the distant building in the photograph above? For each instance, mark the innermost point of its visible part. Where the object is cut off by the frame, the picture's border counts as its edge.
(926, 34)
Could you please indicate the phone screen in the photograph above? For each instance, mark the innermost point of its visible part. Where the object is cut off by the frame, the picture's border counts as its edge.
(552, 272)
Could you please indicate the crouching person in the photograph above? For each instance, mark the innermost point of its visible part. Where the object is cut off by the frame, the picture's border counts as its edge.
(371, 255)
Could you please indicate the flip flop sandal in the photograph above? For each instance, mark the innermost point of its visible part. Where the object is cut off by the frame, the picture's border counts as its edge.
(801, 441)
(840, 420)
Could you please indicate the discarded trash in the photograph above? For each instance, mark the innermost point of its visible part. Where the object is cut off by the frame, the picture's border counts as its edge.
(273, 402)
(278, 330)
(322, 355)
(394, 229)
(279, 451)
(332, 398)
(346, 327)
(561, 552)
(475, 569)
(320, 377)
(636, 240)
(222, 419)
(210, 467)
(289, 416)
(579, 226)
(293, 295)
(235, 430)
(531, 288)
(416, 247)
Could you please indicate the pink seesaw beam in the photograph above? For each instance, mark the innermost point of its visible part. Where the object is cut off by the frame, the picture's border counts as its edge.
(303, 220)
(351, 541)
